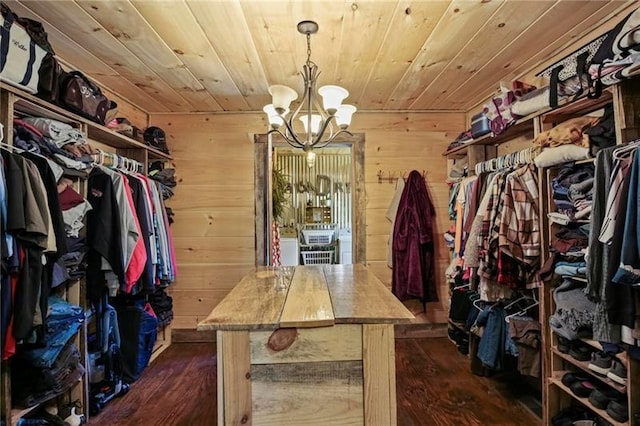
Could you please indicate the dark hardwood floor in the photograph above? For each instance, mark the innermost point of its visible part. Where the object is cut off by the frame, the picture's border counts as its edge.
(435, 387)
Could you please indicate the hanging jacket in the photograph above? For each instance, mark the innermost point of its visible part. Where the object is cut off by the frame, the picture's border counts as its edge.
(413, 247)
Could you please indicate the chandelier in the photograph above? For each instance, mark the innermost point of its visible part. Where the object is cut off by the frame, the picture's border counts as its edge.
(322, 123)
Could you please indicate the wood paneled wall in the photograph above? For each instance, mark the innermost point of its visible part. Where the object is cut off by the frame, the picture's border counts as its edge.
(214, 199)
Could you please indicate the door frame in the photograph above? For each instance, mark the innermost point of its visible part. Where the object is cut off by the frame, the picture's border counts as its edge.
(262, 165)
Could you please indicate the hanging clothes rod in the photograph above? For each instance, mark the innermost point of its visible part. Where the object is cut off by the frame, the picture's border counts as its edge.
(116, 161)
(11, 147)
(514, 159)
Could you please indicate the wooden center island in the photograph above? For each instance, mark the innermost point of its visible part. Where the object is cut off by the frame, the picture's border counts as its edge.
(307, 345)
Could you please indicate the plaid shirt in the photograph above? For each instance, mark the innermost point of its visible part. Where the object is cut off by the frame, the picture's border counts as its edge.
(490, 226)
(519, 228)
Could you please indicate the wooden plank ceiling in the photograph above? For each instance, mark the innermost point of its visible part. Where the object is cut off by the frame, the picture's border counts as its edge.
(195, 55)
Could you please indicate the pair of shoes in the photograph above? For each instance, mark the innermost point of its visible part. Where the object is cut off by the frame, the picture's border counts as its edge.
(618, 372)
(618, 410)
(600, 362)
(600, 398)
(571, 415)
(578, 383)
(581, 351)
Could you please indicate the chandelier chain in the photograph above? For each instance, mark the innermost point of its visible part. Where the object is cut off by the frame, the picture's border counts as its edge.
(308, 48)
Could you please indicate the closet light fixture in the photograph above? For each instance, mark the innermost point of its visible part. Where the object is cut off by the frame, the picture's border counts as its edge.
(321, 123)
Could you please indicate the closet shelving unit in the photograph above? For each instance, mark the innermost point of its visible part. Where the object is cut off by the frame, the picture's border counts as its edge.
(625, 98)
(14, 102)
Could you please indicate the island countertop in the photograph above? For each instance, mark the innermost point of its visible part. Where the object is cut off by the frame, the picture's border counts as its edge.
(306, 296)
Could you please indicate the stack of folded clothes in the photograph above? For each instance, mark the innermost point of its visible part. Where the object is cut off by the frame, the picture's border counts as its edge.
(574, 314)
(573, 193)
(65, 145)
(71, 266)
(43, 372)
(165, 176)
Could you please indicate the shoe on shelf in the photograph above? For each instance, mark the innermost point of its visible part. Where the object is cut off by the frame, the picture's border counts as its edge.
(618, 410)
(581, 352)
(564, 344)
(571, 377)
(618, 373)
(570, 415)
(600, 398)
(600, 362)
(582, 388)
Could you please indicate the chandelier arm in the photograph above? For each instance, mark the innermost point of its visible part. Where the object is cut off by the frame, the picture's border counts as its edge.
(325, 115)
(328, 141)
(292, 135)
(321, 131)
(294, 143)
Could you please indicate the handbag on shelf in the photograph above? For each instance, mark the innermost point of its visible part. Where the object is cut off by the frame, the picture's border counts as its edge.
(82, 96)
(570, 77)
(51, 75)
(498, 111)
(20, 55)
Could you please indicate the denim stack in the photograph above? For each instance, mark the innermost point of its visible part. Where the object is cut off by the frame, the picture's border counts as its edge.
(41, 373)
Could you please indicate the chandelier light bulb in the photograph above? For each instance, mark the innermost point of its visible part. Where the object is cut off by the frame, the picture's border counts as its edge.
(311, 159)
(344, 115)
(315, 122)
(282, 97)
(275, 121)
(332, 97)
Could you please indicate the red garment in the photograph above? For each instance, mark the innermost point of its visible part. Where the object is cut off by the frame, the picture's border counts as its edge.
(9, 348)
(69, 198)
(139, 259)
(413, 244)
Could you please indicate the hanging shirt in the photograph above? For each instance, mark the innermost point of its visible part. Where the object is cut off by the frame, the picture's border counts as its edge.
(138, 259)
(103, 233)
(619, 173)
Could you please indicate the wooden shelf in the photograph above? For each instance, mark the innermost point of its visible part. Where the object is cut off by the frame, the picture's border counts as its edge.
(18, 413)
(29, 104)
(557, 381)
(584, 365)
(109, 137)
(622, 356)
(577, 108)
(525, 124)
(522, 127)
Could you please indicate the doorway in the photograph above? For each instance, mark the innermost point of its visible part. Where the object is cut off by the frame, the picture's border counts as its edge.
(319, 196)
